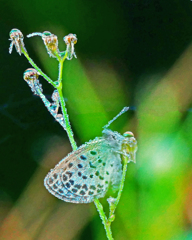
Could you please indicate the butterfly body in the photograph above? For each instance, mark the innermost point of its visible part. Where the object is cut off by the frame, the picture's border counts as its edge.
(86, 173)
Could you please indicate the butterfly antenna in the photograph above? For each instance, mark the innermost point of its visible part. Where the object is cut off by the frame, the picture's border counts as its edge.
(34, 34)
(125, 109)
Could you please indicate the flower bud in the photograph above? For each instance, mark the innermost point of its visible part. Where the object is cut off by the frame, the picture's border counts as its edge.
(16, 38)
(31, 77)
(30, 74)
(70, 40)
(51, 42)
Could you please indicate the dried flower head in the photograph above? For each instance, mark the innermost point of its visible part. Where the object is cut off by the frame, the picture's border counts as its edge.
(16, 38)
(70, 40)
(30, 74)
(51, 42)
(31, 77)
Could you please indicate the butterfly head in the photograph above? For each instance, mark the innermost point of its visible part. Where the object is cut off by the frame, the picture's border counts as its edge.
(129, 146)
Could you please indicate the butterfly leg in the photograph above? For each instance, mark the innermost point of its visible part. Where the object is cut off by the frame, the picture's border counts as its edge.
(130, 156)
(123, 153)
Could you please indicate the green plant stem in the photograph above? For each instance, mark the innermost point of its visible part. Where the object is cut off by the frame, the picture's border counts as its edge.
(60, 72)
(63, 106)
(37, 68)
(61, 61)
(59, 88)
(104, 219)
(113, 205)
(66, 118)
(122, 180)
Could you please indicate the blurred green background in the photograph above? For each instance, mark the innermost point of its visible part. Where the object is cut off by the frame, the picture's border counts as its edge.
(130, 53)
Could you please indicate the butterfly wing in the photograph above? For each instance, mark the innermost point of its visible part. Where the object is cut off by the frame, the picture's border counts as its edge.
(85, 173)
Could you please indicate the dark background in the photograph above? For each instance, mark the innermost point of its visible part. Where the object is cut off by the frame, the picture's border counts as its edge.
(126, 50)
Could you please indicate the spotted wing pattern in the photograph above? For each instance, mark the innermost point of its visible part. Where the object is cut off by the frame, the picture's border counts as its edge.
(86, 173)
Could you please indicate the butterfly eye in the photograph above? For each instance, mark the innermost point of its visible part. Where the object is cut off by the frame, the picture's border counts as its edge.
(128, 134)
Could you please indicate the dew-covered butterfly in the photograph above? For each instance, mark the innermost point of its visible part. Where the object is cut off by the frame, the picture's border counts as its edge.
(87, 172)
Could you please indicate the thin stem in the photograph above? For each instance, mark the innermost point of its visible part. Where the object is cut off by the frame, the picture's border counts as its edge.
(61, 61)
(37, 68)
(60, 71)
(58, 56)
(63, 107)
(114, 204)
(107, 226)
(122, 180)
(66, 119)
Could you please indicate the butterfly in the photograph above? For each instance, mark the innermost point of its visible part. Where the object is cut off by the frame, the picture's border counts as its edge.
(87, 172)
